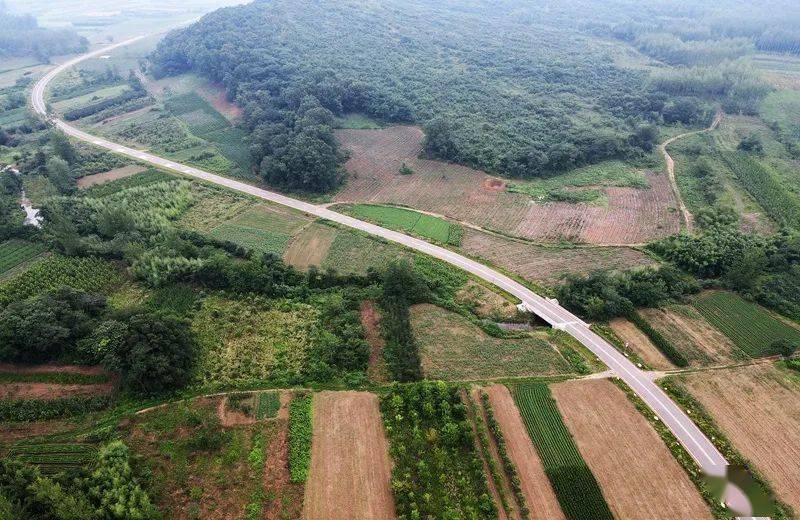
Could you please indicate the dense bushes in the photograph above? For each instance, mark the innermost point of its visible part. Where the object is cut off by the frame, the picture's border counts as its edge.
(437, 472)
(604, 295)
(107, 490)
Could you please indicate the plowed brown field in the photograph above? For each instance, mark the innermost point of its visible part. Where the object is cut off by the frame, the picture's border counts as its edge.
(539, 495)
(632, 216)
(639, 343)
(758, 409)
(636, 471)
(548, 265)
(350, 467)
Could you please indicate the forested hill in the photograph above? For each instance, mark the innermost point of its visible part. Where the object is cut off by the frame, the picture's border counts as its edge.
(500, 90)
(22, 36)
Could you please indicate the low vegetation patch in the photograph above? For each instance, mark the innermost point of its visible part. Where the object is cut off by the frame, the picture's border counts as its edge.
(16, 252)
(268, 405)
(573, 482)
(437, 472)
(410, 221)
(26, 410)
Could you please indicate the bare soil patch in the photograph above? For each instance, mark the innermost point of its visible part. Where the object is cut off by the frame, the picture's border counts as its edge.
(215, 94)
(371, 321)
(51, 391)
(494, 184)
(310, 247)
(350, 466)
(638, 342)
(549, 265)
(699, 341)
(111, 175)
(486, 303)
(461, 193)
(277, 477)
(758, 409)
(536, 486)
(230, 417)
(636, 471)
(37, 369)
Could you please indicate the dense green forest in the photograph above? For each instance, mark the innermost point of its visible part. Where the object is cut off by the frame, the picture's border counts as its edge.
(22, 36)
(496, 86)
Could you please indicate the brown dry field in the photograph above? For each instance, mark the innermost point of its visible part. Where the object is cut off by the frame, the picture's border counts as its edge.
(310, 247)
(371, 321)
(548, 265)
(92, 370)
(351, 471)
(486, 303)
(633, 215)
(699, 341)
(636, 471)
(758, 409)
(539, 495)
(50, 391)
(640, 344)
(110, 175)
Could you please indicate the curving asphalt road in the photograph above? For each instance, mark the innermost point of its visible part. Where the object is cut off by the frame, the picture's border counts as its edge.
(696, 443)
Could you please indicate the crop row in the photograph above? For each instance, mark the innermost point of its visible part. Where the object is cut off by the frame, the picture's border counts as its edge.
(41, 410)
(574, 484)
(300, 433)
(16, 252)
(750, 327)
(85, 274)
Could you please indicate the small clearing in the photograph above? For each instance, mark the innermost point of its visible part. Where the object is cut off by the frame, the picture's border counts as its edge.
(697, 339)
(638, 342)
(453, 348)
(52, 391)
(110, 175)
(536, 486)
(371, 321)
(758, 409)
(310, 247)
(636, 471)
(350, 467)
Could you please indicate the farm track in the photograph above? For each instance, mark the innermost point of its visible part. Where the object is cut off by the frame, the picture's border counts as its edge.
(696, 443)
(688, 219)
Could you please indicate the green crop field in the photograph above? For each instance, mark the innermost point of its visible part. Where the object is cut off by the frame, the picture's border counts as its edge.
(410, 221)
(261, 229)
(749, 326)
(268, 405)
(54, 458)
(16, 252)
(85, 274)
(351, 253)
(574, 484)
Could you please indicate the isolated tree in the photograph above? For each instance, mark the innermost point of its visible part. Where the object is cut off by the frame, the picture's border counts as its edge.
(58, 172)
(62, 147)
(784, 347)
(751, 143)
(645, 137)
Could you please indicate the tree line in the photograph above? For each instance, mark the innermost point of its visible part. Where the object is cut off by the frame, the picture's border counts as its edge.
(22, 36)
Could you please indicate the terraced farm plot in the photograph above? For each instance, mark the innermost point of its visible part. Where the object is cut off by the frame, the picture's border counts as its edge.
(692, 334)
(352, 253)
(758, 409)
(90, 98)
(85, 274)
(14, 253)
(548, 265)
(632, 215)
(53, 458)
(351, 471)
(262, 229)
(310, 247)
(452, 348)
(535, 485)
(406, 220)
(637, 473)
(574, 484)
(749, 326)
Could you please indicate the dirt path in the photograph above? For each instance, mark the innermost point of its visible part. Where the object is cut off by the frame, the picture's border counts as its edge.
(536, 486)
(371, 321)
(636, 471)
(351, 471)
(688, 219)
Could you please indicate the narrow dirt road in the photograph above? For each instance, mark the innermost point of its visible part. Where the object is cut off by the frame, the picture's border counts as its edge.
(688, 219)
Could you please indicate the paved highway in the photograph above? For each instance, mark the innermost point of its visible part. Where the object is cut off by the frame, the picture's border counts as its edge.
(695, 442)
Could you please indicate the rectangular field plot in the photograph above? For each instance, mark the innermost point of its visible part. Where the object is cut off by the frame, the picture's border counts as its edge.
(351, 471)
(54, 458)
(261, 229)
(751, 327)
(636, 471)
(573, 482)
(354, 253)
(406, 220)
(758, 409)
(452, 348)
(14, 253)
